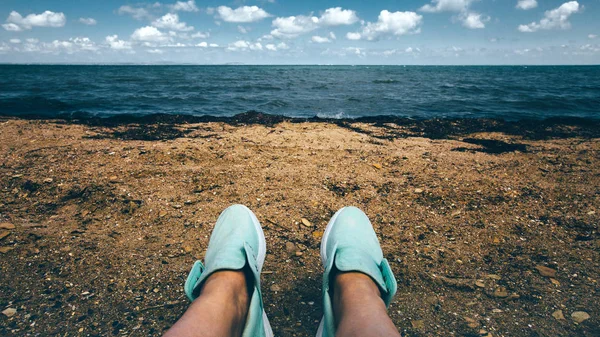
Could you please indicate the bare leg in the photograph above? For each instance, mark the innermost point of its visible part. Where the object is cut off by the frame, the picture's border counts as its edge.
(220, 310)
(359, 309)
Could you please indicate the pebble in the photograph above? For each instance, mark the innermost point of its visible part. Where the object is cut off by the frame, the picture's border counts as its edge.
(290, 247)
(10, 312)
(48, 180)
(306, 223)
(418, 324)
(299, 253)
(6, 225)
(418, 190)
(591, 213)
(558, 314)
(580, 316)
(471, 322)
(275, 288)
(480, 284)
(545, 271)
(113, 179)
(177, 206)
(4, 234)
(377, 166)
(500, 292)
(162, 214)
(5, 250)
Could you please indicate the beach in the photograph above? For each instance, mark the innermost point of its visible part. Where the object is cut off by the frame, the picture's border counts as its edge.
(490, 227)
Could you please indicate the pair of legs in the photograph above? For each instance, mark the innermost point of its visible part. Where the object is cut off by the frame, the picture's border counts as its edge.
(358, 283)
(222, 307)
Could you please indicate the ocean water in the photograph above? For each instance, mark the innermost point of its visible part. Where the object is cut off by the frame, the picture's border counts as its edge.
(508, 92)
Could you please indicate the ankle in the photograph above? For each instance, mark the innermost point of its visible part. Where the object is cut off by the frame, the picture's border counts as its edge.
(231, 287)
(355, 283)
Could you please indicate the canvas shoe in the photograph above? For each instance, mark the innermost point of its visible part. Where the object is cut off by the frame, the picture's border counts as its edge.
(237, 241)
(350, 244)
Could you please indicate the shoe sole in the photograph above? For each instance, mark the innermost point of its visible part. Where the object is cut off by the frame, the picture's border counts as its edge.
(260, 260)
(324, 257)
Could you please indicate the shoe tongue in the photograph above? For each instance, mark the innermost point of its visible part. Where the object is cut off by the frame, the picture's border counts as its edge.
(347, 260)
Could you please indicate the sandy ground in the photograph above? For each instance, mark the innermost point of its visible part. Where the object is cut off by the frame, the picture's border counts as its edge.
(489, 233)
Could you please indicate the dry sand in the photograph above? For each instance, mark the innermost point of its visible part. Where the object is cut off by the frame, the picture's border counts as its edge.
(109, 218)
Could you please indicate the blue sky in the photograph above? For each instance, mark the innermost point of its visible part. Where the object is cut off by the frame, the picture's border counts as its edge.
(301, 32)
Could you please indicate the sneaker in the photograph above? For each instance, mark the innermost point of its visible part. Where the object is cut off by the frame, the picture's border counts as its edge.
(237, 241)
(350, 244)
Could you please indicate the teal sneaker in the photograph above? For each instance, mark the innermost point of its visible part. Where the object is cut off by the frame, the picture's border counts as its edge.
(237, 241)
(350, 244)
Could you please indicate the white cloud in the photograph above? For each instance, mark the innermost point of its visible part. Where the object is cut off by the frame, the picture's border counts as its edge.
(527, 4)
(338, 17)
(213, 45)
(155, 51)
(332, 36)
(202, 45)
(200, 35)
(447, 6)
(293, 26)
(353, 36)
(116, 44)
(592, 36)
(557, 18)
(242, 29)
(320, 39)
(137, 13)
(11, 27)
(32, 40)
(280, 46)
(16, 41)
(474, 20)
(88, 21)
(171, 21)
(243, 14)
(16, 22)
(388, 23)
(182, 6)
(149, 34)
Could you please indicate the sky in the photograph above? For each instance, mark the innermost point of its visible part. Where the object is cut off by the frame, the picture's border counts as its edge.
(403, 32)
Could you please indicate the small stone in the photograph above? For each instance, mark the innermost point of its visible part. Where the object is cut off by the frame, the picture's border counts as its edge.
(497, 311)
(177, 206)
(558, 314)
(317, 235)
(418, 190)
(496, 240)
(5, 250)
(290, 247)
(546, 272)
(187, 249)
(306, 223)
(555, 282)
(298, 324)
(10, 312)
(471, 323)
(500, 292)
(377, 166)
(4, 234)
(580, 316)
(113, 179)
(482, 332)
(456, 214)
(7, 225)
(85, 213)
(156, 290)
(275, 288)
(480, 283)
(162, 214)
(591, 212)
(299, 253)
(418, 324)
(48, 180)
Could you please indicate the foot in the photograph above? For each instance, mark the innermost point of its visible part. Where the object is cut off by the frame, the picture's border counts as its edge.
(237, 243)
(350, 245)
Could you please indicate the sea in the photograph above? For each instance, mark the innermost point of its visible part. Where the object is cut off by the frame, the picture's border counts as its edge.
(420, 92)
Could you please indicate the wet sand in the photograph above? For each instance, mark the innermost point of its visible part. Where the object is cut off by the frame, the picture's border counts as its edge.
(490, 227)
